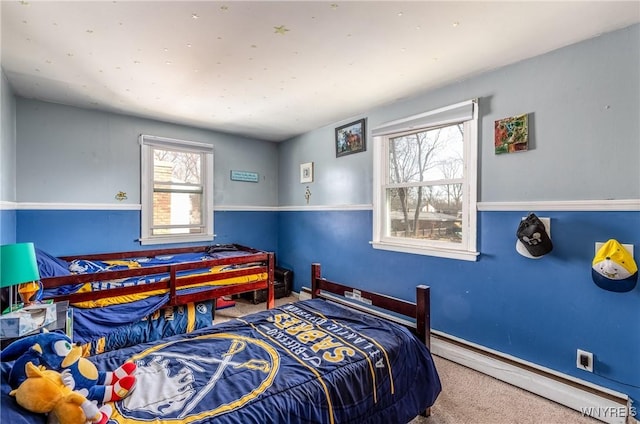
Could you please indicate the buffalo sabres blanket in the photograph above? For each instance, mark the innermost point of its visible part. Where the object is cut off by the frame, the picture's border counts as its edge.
(305, 362)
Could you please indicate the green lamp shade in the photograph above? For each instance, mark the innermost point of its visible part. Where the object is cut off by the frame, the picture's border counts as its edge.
(18, 264)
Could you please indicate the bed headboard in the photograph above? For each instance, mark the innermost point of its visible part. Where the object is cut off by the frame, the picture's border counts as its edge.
(387, 307)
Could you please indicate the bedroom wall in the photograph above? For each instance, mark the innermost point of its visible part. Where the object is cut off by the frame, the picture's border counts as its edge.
(7, 162)
(71, 163)
(581, 171)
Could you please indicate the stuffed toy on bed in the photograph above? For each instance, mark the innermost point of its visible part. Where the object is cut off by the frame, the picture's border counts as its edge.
(55, 351)
(44, 391)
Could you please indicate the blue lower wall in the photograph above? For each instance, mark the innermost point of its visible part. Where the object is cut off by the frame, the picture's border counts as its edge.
(538, 310)
(7, 226)
(255, 229)
(69, 232)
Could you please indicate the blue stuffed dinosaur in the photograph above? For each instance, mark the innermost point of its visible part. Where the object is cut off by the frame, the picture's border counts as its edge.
(55, 351)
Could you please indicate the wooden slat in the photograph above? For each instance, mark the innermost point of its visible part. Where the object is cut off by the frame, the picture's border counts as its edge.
(136, 253)
(218, 276)
(221, 291)
(52, 282)
(102, 294)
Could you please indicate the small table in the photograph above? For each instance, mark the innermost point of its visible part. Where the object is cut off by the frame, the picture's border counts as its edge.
(64, 321)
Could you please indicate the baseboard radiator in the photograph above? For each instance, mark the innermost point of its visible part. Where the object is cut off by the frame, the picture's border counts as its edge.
(587, 398)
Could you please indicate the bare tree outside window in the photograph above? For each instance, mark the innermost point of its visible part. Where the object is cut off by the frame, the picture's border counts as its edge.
(424, 190)
(186, 166)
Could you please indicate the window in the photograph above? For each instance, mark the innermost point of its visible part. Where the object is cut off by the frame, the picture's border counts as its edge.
(177, 191)
(425, 183)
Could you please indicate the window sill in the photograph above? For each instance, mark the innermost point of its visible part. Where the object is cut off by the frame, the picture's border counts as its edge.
(176, 239)
(462, 255)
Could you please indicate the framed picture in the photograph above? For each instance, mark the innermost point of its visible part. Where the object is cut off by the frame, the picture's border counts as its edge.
(350, 138)
(511, 134)
(306, 172)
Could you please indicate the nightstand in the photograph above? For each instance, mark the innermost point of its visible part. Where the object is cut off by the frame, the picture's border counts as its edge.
(64, 321)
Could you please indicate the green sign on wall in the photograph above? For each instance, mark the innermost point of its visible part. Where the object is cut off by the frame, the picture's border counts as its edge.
(251, 177)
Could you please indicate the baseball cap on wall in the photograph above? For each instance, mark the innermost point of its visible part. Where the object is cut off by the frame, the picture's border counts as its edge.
(613, 268)
(533, 240)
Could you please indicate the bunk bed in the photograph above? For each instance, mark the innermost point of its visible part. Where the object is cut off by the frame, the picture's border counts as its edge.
(321, 360)
(125, 298)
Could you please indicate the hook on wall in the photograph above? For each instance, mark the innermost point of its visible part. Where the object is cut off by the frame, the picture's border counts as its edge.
(307, 194)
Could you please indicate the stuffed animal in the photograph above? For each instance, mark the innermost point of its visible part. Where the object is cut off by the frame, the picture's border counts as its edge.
(44, 391)
(54, 351)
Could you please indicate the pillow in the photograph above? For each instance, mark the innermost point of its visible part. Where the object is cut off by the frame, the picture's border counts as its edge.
(50, 266)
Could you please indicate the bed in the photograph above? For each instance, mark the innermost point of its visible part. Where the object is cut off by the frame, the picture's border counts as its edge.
(313, 361)
(127, 298)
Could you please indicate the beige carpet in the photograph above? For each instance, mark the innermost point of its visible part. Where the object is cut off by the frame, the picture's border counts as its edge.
(467, 397)
(471, 397)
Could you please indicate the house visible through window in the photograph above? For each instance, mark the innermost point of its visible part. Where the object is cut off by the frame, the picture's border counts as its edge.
(177, 187)
(425, 183)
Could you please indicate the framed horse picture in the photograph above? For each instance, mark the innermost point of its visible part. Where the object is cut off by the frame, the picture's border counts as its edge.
(351, 138)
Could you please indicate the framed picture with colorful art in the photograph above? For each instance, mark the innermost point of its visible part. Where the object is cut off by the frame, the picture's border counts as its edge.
(511, 134)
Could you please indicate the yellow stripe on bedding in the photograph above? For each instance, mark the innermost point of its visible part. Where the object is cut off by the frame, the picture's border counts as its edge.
(88, 350)
(191, 317)
(128, 264)
(117, 300)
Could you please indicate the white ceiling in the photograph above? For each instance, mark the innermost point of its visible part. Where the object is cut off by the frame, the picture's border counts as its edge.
(273, 70)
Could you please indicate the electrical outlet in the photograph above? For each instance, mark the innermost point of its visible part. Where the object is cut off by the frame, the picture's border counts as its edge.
(584, 360)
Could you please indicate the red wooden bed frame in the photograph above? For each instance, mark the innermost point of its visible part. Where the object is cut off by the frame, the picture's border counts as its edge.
(173, 284)
(418, 312)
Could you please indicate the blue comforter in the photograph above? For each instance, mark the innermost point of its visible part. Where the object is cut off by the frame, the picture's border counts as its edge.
(305, 362)
(92, 324)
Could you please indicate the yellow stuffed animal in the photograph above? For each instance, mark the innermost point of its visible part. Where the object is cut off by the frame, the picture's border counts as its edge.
(44, 391)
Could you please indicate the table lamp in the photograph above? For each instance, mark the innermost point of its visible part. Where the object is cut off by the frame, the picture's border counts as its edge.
(18, 266)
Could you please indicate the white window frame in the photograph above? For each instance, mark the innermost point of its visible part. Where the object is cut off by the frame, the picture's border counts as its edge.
(147, 143)
(463, 112)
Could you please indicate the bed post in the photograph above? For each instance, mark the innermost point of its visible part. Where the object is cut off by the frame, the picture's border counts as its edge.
(423, 314)
(271, 300)
(423, 322)
(173, 279)
(316, 274)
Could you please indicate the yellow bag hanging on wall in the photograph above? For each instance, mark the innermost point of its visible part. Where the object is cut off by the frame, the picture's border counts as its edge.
(614, 268)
